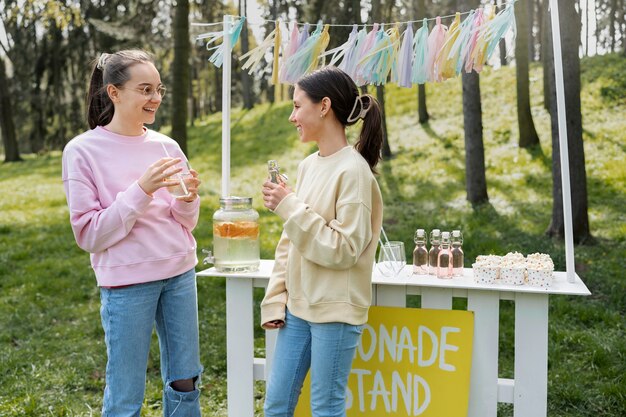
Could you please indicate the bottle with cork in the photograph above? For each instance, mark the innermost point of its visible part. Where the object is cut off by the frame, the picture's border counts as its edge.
(457, 253)
(444, 258)
(433, 253)
(420, 253)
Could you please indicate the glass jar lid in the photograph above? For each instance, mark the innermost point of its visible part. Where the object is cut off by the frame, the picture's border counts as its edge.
(235, 202)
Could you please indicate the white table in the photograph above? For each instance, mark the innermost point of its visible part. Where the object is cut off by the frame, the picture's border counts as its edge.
(528, 391)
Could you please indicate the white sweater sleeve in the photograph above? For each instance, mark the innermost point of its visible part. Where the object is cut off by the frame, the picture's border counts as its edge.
(336, 244)
(275, 300)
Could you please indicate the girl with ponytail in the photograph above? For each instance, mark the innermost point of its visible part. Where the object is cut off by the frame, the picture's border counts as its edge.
(116, 178)
(320, 289)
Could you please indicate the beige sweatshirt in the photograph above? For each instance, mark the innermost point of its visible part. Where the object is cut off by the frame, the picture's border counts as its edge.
(324, 259)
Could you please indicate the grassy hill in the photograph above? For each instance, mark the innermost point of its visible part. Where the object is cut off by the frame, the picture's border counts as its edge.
(52, 353)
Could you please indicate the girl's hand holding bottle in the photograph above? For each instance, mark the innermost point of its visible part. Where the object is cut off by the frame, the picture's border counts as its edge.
(273, 193)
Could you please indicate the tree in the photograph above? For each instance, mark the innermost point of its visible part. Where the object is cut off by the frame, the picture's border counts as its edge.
(180, 73)
(422, 111)
(246, 80)
(380, 89)
(475, 179)
(570, 37)
(7, 127)
(527, 133)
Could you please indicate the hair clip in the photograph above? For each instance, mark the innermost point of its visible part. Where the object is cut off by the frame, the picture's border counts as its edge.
(362, 112)
(102, 61)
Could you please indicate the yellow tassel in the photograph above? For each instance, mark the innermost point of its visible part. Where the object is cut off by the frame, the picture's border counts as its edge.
(446, 64)
(277, 41)
(319, 47)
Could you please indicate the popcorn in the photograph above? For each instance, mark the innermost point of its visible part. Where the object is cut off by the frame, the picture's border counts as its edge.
(536, 269)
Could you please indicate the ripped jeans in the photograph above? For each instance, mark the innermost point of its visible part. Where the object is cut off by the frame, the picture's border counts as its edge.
(128, 317)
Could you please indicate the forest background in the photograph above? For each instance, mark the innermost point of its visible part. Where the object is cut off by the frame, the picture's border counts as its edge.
(479, 152)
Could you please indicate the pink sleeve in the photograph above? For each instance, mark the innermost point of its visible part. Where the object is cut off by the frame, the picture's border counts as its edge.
(186, 213)
(97, 228)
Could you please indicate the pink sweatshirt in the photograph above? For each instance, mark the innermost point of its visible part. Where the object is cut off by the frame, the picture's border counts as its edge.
(131, 236)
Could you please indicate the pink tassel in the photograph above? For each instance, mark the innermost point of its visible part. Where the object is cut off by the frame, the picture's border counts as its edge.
(435, 42)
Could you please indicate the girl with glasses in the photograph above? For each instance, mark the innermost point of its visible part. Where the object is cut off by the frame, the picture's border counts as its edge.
(319, 292)
(116, 178)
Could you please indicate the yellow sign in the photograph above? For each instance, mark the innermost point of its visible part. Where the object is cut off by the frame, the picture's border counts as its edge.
(410, 362)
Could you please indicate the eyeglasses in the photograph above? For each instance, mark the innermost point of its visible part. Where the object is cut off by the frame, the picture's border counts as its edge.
(149, 91)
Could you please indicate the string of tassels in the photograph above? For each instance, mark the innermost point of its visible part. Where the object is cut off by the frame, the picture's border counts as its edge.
(383, 54)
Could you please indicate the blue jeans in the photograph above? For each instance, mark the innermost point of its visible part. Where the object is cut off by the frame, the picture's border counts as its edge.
(128, 317)
(326, 348)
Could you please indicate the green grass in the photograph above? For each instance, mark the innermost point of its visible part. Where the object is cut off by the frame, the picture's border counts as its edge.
(52, 354)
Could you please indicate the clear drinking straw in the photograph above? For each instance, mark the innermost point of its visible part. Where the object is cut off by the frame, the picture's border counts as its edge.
(180, 177)
(386, 248)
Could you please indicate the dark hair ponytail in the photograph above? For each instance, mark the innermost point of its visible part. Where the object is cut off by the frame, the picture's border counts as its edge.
(99, 106)
(370, 141)
(109, 69)
(348, 106)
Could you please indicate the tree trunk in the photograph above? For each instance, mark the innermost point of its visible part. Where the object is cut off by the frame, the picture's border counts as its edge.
(423, 115)
(586, 12)
(546, 54)
(380, 96)
(9, 140)
(422, 110)
(530, 7)
(612, 33)
(570, 36)
(527, 133)
(246, 80)
(539, 38)
(180, 73)
(476, 183)
(502, 43)
(37, 105)
(217, 72)
(376, 16)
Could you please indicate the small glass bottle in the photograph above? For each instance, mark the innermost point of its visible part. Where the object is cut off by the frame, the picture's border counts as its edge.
(420, 253)
(433, 253)
(273, 170)
(457, 253)
(444, 258)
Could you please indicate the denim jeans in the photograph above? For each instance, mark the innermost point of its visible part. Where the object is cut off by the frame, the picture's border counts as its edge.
(128, 317)
(326, 348)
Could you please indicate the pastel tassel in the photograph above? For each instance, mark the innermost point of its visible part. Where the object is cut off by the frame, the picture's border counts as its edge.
(306, 58)
(304, 35)
(435, 43)
(368, 44)
(319, 48)
(340, 51)
(468, 50)
(277, 41)
(389, 63)
(369, 62)
(292, 47)
(350, 60)
(499, 26)
(405, 58)
(218, 55)
(478, 54)
(446, 63)
(465, 34)
(420, 70)
(254, 57)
